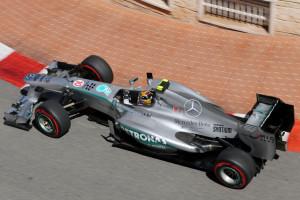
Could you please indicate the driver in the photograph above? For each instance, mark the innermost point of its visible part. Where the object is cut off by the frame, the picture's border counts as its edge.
(146, 98)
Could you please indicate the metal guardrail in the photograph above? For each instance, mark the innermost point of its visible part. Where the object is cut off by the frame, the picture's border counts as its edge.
(249, 11)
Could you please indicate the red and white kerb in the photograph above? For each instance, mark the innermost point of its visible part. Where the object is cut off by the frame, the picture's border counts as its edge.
(14, 66)
(5, 51)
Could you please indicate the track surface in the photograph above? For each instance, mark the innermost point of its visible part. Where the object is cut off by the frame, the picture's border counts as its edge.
(81, 165)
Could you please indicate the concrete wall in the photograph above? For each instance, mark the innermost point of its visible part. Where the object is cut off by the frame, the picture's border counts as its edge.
(286, 19)
(185, 9)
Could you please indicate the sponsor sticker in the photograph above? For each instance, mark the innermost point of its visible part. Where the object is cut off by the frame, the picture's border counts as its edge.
(192, 125)
(31, 77)
(37, 77)
(149, 140)
(147, 114)
(78, 83)
(103, 88)
(176, 109)
(220, 128)
(267, 139)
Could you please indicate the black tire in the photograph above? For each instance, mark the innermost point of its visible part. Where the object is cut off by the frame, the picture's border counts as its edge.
(52, 119)
(234, 168)
(98, 68)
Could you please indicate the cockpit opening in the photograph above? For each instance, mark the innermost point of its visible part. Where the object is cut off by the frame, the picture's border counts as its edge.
(136, 97)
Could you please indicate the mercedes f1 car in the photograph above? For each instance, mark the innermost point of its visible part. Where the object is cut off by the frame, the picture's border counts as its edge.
(164, 119)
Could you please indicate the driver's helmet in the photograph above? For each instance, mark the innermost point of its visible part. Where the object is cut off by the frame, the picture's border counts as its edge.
(146, 98)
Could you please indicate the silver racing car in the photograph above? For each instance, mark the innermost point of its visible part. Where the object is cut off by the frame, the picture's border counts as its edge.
(165, 119)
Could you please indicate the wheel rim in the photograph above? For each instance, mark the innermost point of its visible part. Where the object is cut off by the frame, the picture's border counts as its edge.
(46, 124)
(230, 176)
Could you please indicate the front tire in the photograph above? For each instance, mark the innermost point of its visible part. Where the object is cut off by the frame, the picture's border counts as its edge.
(97, 69)
(234, 168)
(52, 119)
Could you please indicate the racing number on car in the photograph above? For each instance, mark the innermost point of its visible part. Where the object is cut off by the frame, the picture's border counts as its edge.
(78, 83)
(268, 139)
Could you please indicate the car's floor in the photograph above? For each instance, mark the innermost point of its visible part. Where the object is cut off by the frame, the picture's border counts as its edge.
(82, 165)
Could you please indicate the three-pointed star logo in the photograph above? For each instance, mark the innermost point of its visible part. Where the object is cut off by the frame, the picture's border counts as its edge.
(193, 108)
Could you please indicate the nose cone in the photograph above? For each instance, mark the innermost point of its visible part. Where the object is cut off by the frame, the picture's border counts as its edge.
(294, 138)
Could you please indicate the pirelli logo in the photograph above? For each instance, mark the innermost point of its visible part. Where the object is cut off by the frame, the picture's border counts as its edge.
(220, 128)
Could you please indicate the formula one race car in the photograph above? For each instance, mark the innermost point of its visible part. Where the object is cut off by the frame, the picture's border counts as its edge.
(165, 119)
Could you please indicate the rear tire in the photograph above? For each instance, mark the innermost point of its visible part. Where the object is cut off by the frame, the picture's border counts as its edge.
(97, 69)
(234, 168)
(52, 119)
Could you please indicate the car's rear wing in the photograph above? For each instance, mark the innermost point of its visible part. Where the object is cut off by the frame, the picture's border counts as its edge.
(271, 115)
(267, 126)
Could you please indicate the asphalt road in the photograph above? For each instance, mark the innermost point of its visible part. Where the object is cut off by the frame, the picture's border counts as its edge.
(82, 165)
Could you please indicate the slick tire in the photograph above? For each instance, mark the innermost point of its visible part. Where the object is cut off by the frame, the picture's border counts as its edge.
(52, 119)
(234, 168)
(98, 69)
